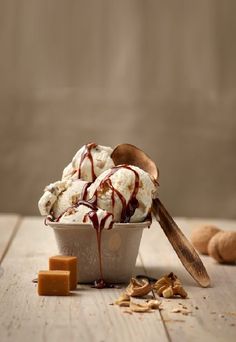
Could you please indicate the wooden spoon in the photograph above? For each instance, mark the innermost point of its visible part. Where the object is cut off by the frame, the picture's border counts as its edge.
(129, 154)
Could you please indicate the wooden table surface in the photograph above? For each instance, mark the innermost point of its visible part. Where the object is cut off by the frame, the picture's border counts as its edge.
(26, 244)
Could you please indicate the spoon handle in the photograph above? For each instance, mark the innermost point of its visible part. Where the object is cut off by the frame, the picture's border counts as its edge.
(183, 248)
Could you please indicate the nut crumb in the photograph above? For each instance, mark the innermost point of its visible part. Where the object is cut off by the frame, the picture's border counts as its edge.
(123, 300)
(136, 307)
(138, 288)
(154, 304)
(169, 286)
(181, 310)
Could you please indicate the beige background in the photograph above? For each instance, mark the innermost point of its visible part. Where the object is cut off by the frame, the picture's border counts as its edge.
(158, 74)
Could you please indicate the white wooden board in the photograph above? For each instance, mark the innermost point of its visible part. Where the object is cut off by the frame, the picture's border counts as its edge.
(87, 316)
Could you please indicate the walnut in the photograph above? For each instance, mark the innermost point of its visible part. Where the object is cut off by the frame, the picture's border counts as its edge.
(144, 307)
(168, 292)
(201, 236)
(136, 307)
(219, 244)
(154, 304)
(222, 247)
(169, 286)
(74, 199)
(123, 300)
(138, 288)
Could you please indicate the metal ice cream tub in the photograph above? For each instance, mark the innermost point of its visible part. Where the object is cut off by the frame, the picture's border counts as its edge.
(119, 249)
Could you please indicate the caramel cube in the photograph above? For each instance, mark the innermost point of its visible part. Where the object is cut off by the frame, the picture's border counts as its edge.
(65, 263)
(53, 283)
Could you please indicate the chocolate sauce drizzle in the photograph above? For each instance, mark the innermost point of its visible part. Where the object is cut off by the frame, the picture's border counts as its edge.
(127, 212)
(85, 191)
(98, 227)
(87, 154)
(128, 208)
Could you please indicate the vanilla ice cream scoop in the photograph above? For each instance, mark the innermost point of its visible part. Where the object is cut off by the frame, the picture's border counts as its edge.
(51, 192)
(89, 162)
(71, 196)
(86, 212)
(60, 196)
(125, 191)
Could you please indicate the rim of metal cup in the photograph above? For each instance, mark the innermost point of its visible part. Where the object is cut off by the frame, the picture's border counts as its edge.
(117, 225)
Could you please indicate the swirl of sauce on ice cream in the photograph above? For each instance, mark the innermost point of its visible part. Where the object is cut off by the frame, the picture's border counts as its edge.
(87, 154)
(128, 208)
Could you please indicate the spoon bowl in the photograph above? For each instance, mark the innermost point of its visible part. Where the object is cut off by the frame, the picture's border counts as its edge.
(132, 155)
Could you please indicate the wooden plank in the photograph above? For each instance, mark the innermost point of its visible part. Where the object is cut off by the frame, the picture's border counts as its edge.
(8, 226)
(213, 309)
(84, 316)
